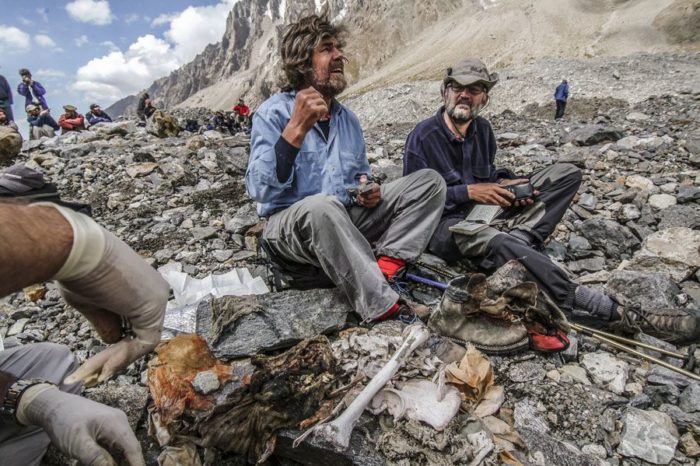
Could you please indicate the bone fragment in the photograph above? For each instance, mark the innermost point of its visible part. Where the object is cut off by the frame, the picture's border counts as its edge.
(337, 432)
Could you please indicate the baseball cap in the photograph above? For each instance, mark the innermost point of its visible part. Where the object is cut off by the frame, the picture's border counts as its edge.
(30, 108)
(470, 71)
(69, 108)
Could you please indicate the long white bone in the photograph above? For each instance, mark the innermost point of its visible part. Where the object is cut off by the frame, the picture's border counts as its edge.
(337, 432)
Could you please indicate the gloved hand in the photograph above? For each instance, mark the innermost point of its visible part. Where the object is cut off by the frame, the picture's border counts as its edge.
(106, 280)
(80, 428)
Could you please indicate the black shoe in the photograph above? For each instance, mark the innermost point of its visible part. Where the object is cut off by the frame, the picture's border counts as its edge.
(677, 326)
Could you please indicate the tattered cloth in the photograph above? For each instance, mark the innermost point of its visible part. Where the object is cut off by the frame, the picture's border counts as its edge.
(283, 391)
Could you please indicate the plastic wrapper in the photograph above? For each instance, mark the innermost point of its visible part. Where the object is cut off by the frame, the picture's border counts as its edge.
(181, 313)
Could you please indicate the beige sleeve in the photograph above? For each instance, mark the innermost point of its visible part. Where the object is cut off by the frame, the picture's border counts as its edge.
(88, 244)
(27, 398)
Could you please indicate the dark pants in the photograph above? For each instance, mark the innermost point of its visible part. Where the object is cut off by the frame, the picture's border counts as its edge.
(558, 185)
(561, 106)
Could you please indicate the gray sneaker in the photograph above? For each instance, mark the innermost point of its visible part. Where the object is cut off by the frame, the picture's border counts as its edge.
(677, 326)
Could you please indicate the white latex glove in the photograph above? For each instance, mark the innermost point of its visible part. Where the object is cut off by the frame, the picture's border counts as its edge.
(106, 281)
(80, 428)
(122, 284)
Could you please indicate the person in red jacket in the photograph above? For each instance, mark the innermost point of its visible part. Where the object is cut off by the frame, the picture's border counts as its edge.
(71, 120)
(242, 110)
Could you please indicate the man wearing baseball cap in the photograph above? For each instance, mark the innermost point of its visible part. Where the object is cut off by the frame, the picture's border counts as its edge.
(41, 123)
(97, 115)
(461, 146)
(71, 120)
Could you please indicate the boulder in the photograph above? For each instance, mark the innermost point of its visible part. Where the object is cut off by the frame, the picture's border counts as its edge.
(607, 371)
(675, 251)
(651, 291)
(648, 435)
(589, 135)
(10, 144)
(242, 326)
(608, 235)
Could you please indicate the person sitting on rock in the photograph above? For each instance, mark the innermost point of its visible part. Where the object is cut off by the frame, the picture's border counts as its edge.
(141, 107)
(307, 157)
(32, 91)
(4, 121)
(242, 111)
(41, 123)
(149, 109)
(461, 146)
(71, 120)
(97, 115)
(106, 281)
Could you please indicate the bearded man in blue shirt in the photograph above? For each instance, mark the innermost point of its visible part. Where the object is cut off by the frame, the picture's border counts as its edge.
(308, 155)
(461, 146)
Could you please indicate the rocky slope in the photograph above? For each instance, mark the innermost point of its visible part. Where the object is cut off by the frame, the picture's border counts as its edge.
(394, 41)
(633, 229)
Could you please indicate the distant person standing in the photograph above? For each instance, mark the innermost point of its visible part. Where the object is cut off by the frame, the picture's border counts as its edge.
(560, 96)
(6, 98)
(32, 91)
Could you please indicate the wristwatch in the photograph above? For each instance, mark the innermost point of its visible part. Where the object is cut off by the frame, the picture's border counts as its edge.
(14, 394)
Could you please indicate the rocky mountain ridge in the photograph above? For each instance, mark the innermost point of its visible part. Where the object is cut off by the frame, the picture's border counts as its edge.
(394, 41)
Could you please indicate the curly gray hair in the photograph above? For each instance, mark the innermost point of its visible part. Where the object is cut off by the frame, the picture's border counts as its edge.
(299, 41)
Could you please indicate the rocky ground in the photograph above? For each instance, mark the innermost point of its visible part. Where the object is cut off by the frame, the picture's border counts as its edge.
(633, 229)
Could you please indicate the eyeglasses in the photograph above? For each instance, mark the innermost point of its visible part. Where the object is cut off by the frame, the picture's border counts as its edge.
(472, 89)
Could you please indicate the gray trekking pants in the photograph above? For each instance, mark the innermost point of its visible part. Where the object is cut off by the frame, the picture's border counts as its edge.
(319, 230)
(493, 246)
(38, 132)
(26, 445)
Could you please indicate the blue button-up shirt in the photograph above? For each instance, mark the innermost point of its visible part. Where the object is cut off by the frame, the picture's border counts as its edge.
(323, 165)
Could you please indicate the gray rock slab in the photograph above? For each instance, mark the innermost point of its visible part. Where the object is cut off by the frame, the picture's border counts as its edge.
(131, 399)
(589, 135)
(527, 371)
(648, 435)
(606, 371)
(202, 233)
(270, 321)
(360, 452)
(608, 235)
(206, 382)
(549, 450)
(688, 194)
(690, 398)
(651, 291)
(682, 419)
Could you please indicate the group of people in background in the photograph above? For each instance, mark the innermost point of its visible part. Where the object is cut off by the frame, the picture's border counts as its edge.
(41, 122)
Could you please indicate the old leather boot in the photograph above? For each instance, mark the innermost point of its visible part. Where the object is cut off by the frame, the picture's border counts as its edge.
(677, 326)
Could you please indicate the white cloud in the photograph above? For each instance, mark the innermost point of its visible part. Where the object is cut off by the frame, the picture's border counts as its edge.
(131, 18)
(120, 73)
(90, 11)
(49, 73)
(110, 45)
(25, 21)
(13, 39)
(80, 41)
(195, 27)
(44, 41)
(163, 19)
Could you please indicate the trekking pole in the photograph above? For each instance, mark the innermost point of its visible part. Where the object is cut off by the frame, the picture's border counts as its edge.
(636, 343)
(629, 350)
(426, 281)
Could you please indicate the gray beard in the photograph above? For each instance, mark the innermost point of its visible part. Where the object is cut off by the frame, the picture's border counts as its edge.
(330, 87)
(461, 116)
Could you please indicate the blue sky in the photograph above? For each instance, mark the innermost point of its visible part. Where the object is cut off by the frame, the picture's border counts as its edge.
(86, 51)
